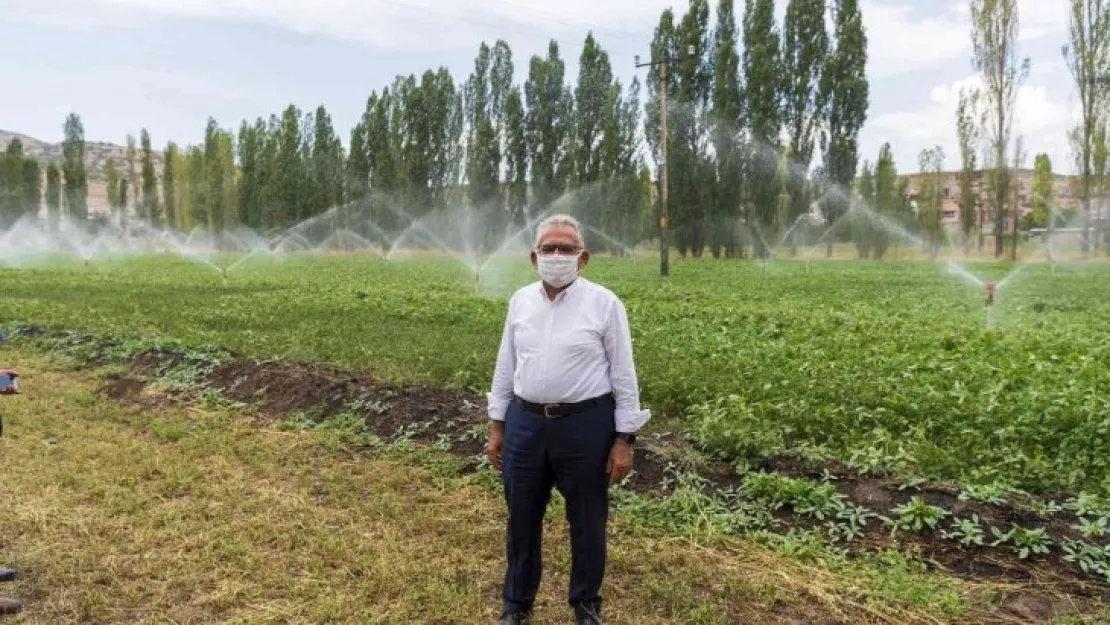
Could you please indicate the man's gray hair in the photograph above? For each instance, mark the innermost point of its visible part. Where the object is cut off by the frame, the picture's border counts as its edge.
(560, 220)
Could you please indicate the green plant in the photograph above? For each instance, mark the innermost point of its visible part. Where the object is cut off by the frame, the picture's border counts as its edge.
(1088, 504)
(1093, 529)
(1026, 542)
(1045, 508)
(917, 515)
(986, 493)
(1089, 558)
(965, 531)
(818, 501)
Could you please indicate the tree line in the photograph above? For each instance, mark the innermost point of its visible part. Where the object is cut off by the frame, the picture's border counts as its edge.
(985, 119)
(509, 151)
(423, 143)
(752, 104)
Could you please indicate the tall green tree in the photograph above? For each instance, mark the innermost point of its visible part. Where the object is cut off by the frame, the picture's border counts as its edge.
(930, 203)
(727, 140)
(593, 98)
(122, 194)
(1100, 171)
(664, 45)
(516, 158)
(549, 122)
(1042, 191)
(53, 193)
(195, 194)
(11, 183)
(862, 226)
(691, 171)
(32, 187)
(500, 87)
(290, 176)
(594, 115)
(624, 194)
(382, 157)
(805, 47)
(151, 210)
(762, 67)
(169, 189)
(447, 123)
(182, 193)
(358, 163)
(969, 125)
(327, 164)
(1088, 58)
(253, 173)
(889, 201)
(844, 80)
(994, 38)
(111, 181)
(132, 156)
(73, 169)
(483, 144)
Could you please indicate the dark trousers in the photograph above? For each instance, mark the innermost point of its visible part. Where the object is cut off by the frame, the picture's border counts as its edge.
(569, 452)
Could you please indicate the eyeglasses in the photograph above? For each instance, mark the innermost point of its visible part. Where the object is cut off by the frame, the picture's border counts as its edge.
(562, 248)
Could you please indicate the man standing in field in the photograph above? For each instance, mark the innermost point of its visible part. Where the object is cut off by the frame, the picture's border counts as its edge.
(564, 409)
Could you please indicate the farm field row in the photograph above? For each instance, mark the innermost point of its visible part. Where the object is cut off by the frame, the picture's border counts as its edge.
(879, 366)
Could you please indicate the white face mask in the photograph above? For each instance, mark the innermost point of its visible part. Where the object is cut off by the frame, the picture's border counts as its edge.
(556, 269)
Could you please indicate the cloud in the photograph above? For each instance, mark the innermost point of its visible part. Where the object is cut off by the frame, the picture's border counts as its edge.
(1041, 119)
(405, 25)
(901, 40)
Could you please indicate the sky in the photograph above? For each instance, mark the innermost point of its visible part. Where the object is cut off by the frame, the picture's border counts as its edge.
(167, 65)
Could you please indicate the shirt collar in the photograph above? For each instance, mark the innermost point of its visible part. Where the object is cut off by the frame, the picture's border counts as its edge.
(562, 294)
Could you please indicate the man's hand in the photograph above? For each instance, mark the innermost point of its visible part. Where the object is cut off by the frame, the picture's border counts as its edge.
(496, 441)
(620, 461)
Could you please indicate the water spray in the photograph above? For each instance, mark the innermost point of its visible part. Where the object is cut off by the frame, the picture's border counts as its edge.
(990, 288)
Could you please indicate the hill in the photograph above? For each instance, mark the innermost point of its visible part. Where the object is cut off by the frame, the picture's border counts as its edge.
(97, 154)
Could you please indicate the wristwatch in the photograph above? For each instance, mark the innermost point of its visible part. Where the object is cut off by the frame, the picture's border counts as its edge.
(627, 437)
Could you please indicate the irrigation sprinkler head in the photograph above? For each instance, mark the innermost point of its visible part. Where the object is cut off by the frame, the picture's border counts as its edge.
(990, 288)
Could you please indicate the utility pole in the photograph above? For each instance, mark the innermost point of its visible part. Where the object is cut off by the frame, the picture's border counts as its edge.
(664, 216)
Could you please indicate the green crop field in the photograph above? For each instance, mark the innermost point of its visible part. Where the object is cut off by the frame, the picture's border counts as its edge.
(885, 367)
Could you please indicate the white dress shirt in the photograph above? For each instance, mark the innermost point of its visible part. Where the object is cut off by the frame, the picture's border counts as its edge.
(568, 350)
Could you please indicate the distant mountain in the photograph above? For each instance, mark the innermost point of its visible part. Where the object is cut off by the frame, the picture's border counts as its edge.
(97, 154)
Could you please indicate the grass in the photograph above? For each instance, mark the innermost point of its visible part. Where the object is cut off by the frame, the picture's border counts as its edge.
(196, 514)
(885, 366)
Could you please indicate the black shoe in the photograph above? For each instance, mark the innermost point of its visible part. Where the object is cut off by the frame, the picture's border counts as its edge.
(515, 618)
(587, 614)
(7, 575)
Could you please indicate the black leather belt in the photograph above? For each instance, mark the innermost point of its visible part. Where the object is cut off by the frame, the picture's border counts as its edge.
(561, 410)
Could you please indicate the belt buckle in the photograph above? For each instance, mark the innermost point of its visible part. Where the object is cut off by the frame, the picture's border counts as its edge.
(547, 410)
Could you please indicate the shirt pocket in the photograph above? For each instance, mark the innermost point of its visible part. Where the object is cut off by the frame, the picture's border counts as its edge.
(582, 344)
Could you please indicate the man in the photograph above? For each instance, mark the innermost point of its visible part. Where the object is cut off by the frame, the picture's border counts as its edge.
(9, 605)
(564, 409)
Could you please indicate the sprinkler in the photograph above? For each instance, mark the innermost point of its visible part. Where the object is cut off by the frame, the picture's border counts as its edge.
(990, 288)
(223, 273)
